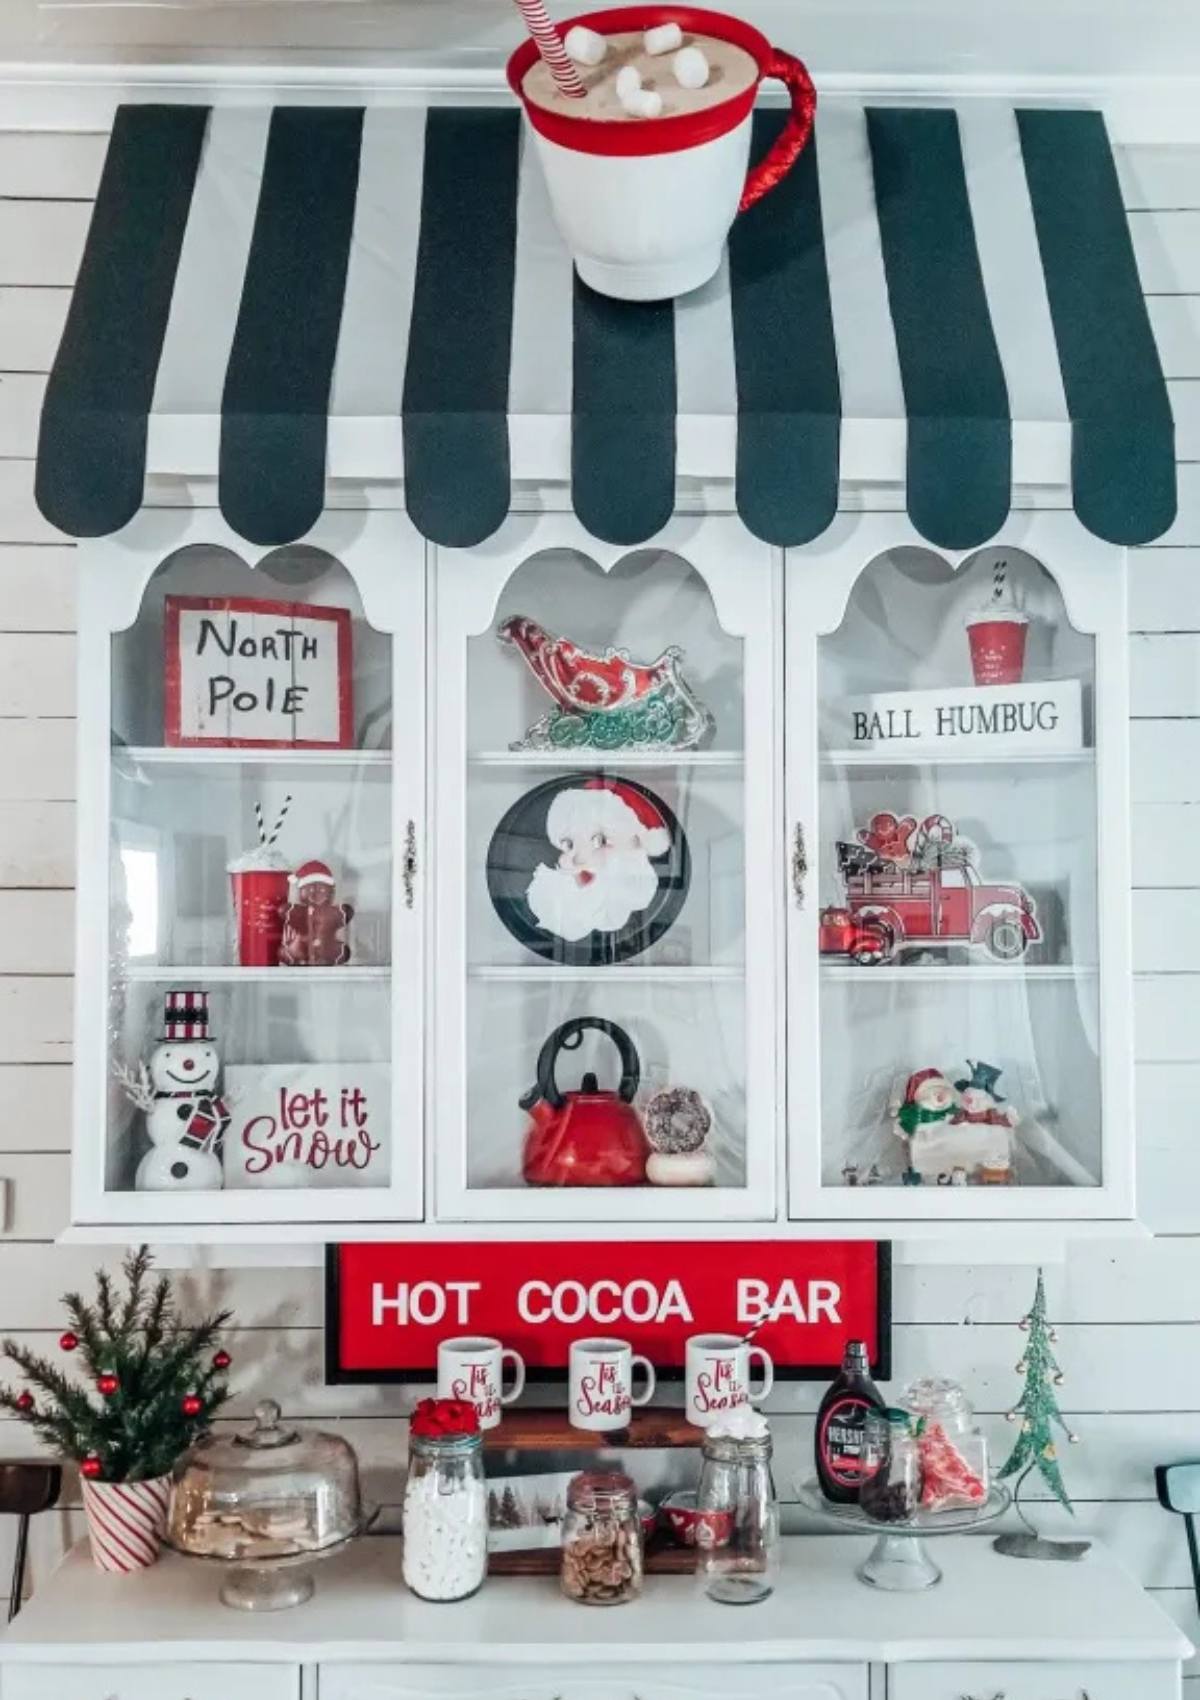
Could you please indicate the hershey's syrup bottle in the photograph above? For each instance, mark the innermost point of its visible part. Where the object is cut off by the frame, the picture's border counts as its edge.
(840, 1423)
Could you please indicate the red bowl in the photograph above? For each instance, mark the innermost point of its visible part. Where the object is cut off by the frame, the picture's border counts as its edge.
(691, 1527)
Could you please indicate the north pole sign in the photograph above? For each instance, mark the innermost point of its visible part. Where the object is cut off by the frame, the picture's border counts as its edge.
(388, 1306)
(245, 673)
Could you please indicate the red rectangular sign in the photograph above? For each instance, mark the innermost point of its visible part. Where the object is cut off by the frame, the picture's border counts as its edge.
(388, 1306)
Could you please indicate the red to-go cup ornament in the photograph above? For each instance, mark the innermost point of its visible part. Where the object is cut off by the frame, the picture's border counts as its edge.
(997, 633)
(260, 883)
(644, 203)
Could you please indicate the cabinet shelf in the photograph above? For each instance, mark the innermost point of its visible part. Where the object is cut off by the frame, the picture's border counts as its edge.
(163, 755)
(720, 760)
(229, 975)
(616, 973)
(970, 971)
(954, 758)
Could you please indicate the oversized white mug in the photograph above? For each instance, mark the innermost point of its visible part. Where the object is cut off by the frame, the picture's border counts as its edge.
(472, 1367)
(645, 204)
(717, 1376)
(600, 1389)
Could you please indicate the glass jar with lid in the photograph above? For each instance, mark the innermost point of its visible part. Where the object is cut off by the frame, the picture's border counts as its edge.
(891, 1488)
(445, 1504)
(954, 1450)
(602, 1539)
(738, 1525)
(263, 1499)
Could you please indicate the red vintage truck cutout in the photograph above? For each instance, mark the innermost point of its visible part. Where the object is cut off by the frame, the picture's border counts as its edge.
(930, 894)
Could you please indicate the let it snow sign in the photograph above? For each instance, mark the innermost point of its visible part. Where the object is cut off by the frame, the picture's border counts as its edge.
(252, 674)
(388, 1305)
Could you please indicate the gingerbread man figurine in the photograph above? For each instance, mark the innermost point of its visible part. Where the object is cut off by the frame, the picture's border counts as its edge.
(313, 924)
(889, 837)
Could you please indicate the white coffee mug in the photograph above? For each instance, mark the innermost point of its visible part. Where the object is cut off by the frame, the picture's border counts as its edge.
(717, 1376)
(600, 1392)
(472, 1367)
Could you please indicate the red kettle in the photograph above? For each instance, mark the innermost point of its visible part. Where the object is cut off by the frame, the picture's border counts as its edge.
(588, 1137)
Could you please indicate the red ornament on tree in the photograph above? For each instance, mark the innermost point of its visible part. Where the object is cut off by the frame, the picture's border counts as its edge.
(221, 1360)
(25, 1401)
(107, 1384)
(191, 1405)
(68, 1341)
(91, 1467)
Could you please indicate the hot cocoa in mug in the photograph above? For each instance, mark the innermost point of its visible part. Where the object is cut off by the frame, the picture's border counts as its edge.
(645, 203)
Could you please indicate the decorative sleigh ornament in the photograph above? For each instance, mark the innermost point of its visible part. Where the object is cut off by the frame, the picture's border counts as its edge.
(606, 701)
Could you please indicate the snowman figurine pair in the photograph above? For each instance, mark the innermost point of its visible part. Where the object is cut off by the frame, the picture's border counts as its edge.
(177, 1091)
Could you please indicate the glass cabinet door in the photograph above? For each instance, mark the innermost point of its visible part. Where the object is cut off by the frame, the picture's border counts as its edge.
(262, 1045)
(605, 955)
(951, 949)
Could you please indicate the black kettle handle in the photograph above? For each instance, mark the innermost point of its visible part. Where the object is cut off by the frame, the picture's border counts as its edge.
(569, 1037)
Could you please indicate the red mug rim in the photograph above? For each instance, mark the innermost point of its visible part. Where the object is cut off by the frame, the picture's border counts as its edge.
(632, 136)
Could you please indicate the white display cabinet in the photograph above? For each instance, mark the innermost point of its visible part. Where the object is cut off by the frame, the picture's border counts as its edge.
(959, 992)
(191, 751)
(683, 959)
(839, 871)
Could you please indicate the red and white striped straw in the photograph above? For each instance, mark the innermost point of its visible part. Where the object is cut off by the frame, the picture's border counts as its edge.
(549, 45)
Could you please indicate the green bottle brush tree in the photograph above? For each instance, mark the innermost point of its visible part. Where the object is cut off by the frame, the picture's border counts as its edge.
(156, 1380)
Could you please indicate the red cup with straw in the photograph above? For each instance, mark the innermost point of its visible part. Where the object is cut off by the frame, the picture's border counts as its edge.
(997, 633)
(260, 880)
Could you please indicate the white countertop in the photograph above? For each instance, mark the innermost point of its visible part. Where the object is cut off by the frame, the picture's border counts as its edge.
(987, 1607)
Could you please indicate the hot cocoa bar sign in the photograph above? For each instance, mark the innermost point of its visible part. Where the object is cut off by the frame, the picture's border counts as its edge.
(388, 1306)
(247, 673)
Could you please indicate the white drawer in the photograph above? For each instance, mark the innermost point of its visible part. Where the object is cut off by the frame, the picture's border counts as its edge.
(1033, 1682)
(150, 1682)
(629, 1682)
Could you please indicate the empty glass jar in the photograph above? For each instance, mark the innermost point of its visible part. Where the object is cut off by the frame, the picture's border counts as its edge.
(738, 1529)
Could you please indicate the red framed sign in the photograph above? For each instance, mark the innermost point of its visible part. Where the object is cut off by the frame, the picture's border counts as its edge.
(387, 1306)
(242, 673)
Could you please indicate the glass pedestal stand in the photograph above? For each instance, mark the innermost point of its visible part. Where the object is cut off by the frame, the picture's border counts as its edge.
(898, 1562)
(275, 1582)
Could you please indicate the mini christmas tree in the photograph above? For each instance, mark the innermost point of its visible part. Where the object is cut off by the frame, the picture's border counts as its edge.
(1037, 1408)
(159, 1380)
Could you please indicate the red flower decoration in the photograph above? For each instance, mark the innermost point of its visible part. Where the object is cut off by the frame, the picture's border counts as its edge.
(91, 1467)
(434, 1417)
(25, 1401)
(221, 1360)
(68, 1341)
(107, 1384)
(191, 1405)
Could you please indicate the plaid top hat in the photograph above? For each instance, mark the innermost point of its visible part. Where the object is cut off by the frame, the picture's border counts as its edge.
(185, 1016)
(983, 1079)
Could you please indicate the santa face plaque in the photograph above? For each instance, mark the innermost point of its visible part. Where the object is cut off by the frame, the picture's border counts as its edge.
(588, 869)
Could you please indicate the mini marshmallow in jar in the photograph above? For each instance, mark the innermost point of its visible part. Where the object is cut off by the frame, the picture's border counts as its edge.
(445, 1502)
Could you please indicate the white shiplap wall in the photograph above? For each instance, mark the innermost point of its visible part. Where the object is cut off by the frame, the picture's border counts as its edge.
(1129, 1315)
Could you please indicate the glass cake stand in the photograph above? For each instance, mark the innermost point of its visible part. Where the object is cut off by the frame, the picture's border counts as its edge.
(276, 1582)
(898, 1562)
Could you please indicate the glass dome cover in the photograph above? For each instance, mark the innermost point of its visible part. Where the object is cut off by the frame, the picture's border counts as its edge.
(268, 1492)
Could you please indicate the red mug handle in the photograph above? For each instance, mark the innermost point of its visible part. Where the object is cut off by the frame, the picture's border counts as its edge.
(784, 151)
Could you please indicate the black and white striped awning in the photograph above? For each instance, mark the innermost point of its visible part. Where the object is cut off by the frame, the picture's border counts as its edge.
(937, 298)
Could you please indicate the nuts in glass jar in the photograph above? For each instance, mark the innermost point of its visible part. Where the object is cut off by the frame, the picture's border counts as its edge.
(602, 1540)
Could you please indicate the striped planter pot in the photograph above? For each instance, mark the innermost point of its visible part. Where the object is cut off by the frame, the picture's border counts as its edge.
(126, 1521)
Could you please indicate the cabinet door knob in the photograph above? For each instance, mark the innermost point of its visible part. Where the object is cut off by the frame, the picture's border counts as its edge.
(799, 864)
(408, 866)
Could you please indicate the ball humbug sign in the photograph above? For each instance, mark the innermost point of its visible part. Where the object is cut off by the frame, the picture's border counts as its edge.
(242, 672)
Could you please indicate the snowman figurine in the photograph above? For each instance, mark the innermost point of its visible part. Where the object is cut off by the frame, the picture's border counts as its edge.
(186, 1117)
